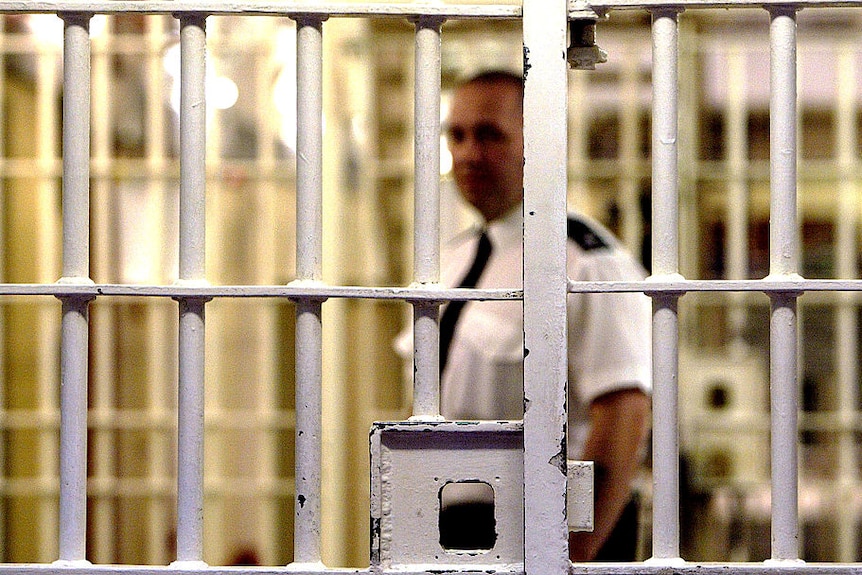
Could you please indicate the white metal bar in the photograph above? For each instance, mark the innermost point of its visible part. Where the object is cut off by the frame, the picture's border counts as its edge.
(76, 269)
(297, 291)
(360, 9)
(309, 254)
(545, 371)
(665, 148)
(190, 491)
(580, 569)
(192, 257)
(426, 221)
(665, 265)
(783, 262)
(271, 7)
(784, 248)
(76, 147)
(73, 431)
(302, 291)
(576, 7)
(193, 149)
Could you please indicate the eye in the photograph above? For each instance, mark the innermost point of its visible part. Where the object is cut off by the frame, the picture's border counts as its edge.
(489, 134)
(456, 135)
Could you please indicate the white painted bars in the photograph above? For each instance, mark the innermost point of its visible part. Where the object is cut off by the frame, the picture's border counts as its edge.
(76, 269)
(665, 266)
(426, 234)
(545, 373)
(783, 262)
(309, 254)
(192, 257)
(783, 320)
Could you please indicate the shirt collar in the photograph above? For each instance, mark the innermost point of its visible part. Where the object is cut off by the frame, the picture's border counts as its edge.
(509, 229)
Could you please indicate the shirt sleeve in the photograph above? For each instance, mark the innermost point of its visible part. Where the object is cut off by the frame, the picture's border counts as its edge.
(609, 333)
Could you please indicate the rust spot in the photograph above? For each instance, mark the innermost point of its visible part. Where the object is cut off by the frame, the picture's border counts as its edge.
(559, 461)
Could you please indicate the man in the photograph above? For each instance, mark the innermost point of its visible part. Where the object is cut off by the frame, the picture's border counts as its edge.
(609, 334)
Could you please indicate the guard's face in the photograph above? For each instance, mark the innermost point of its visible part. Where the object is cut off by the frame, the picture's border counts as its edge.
(486, 139)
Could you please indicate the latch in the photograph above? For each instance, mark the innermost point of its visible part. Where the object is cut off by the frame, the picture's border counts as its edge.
(583, 53)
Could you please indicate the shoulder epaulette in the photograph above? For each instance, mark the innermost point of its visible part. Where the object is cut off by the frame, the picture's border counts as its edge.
(582, 234)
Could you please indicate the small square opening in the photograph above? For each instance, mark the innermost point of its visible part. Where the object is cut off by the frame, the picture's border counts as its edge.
(467, 521)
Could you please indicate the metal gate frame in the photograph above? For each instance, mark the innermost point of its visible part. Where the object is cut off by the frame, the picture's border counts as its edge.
(545, 283)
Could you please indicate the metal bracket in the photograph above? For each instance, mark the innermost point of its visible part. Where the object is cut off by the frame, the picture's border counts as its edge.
(583, 53)
(580, 495)
(411, 462)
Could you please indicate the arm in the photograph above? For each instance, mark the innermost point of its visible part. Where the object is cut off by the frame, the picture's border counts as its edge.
(618, 425)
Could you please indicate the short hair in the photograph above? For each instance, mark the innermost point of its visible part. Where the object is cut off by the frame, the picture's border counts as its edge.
(496, 77)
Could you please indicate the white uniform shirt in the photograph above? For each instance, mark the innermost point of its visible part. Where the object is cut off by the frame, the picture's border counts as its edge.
(608, 334)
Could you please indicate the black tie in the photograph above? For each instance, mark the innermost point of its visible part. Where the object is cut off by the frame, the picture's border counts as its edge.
(453, 310)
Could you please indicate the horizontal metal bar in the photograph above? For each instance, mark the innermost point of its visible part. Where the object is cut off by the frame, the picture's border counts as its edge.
(577, 9)
(272, 8)
(579, 569)
(766, 568)
(314, 290)
(769, 286)
(580, 9)
(297, 290)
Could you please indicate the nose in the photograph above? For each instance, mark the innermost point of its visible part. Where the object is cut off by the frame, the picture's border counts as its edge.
(467, 149)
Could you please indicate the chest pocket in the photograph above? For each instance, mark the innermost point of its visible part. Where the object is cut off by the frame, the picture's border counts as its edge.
(485, 378)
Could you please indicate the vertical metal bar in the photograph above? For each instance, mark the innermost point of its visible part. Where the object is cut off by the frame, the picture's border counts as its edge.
(192, 148)
(73, 431)
(76, 146)
(783, 263)
(784, 249)
(192, 256)
(545, 371)
(76, 269)
(665, 264)
(426, 231)
(190, 452)
(847, 328)
(309, 255)
(665, 149)
(784, 402)
(666, 430)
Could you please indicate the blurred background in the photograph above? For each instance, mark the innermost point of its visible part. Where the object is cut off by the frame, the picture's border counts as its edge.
(368, 71)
